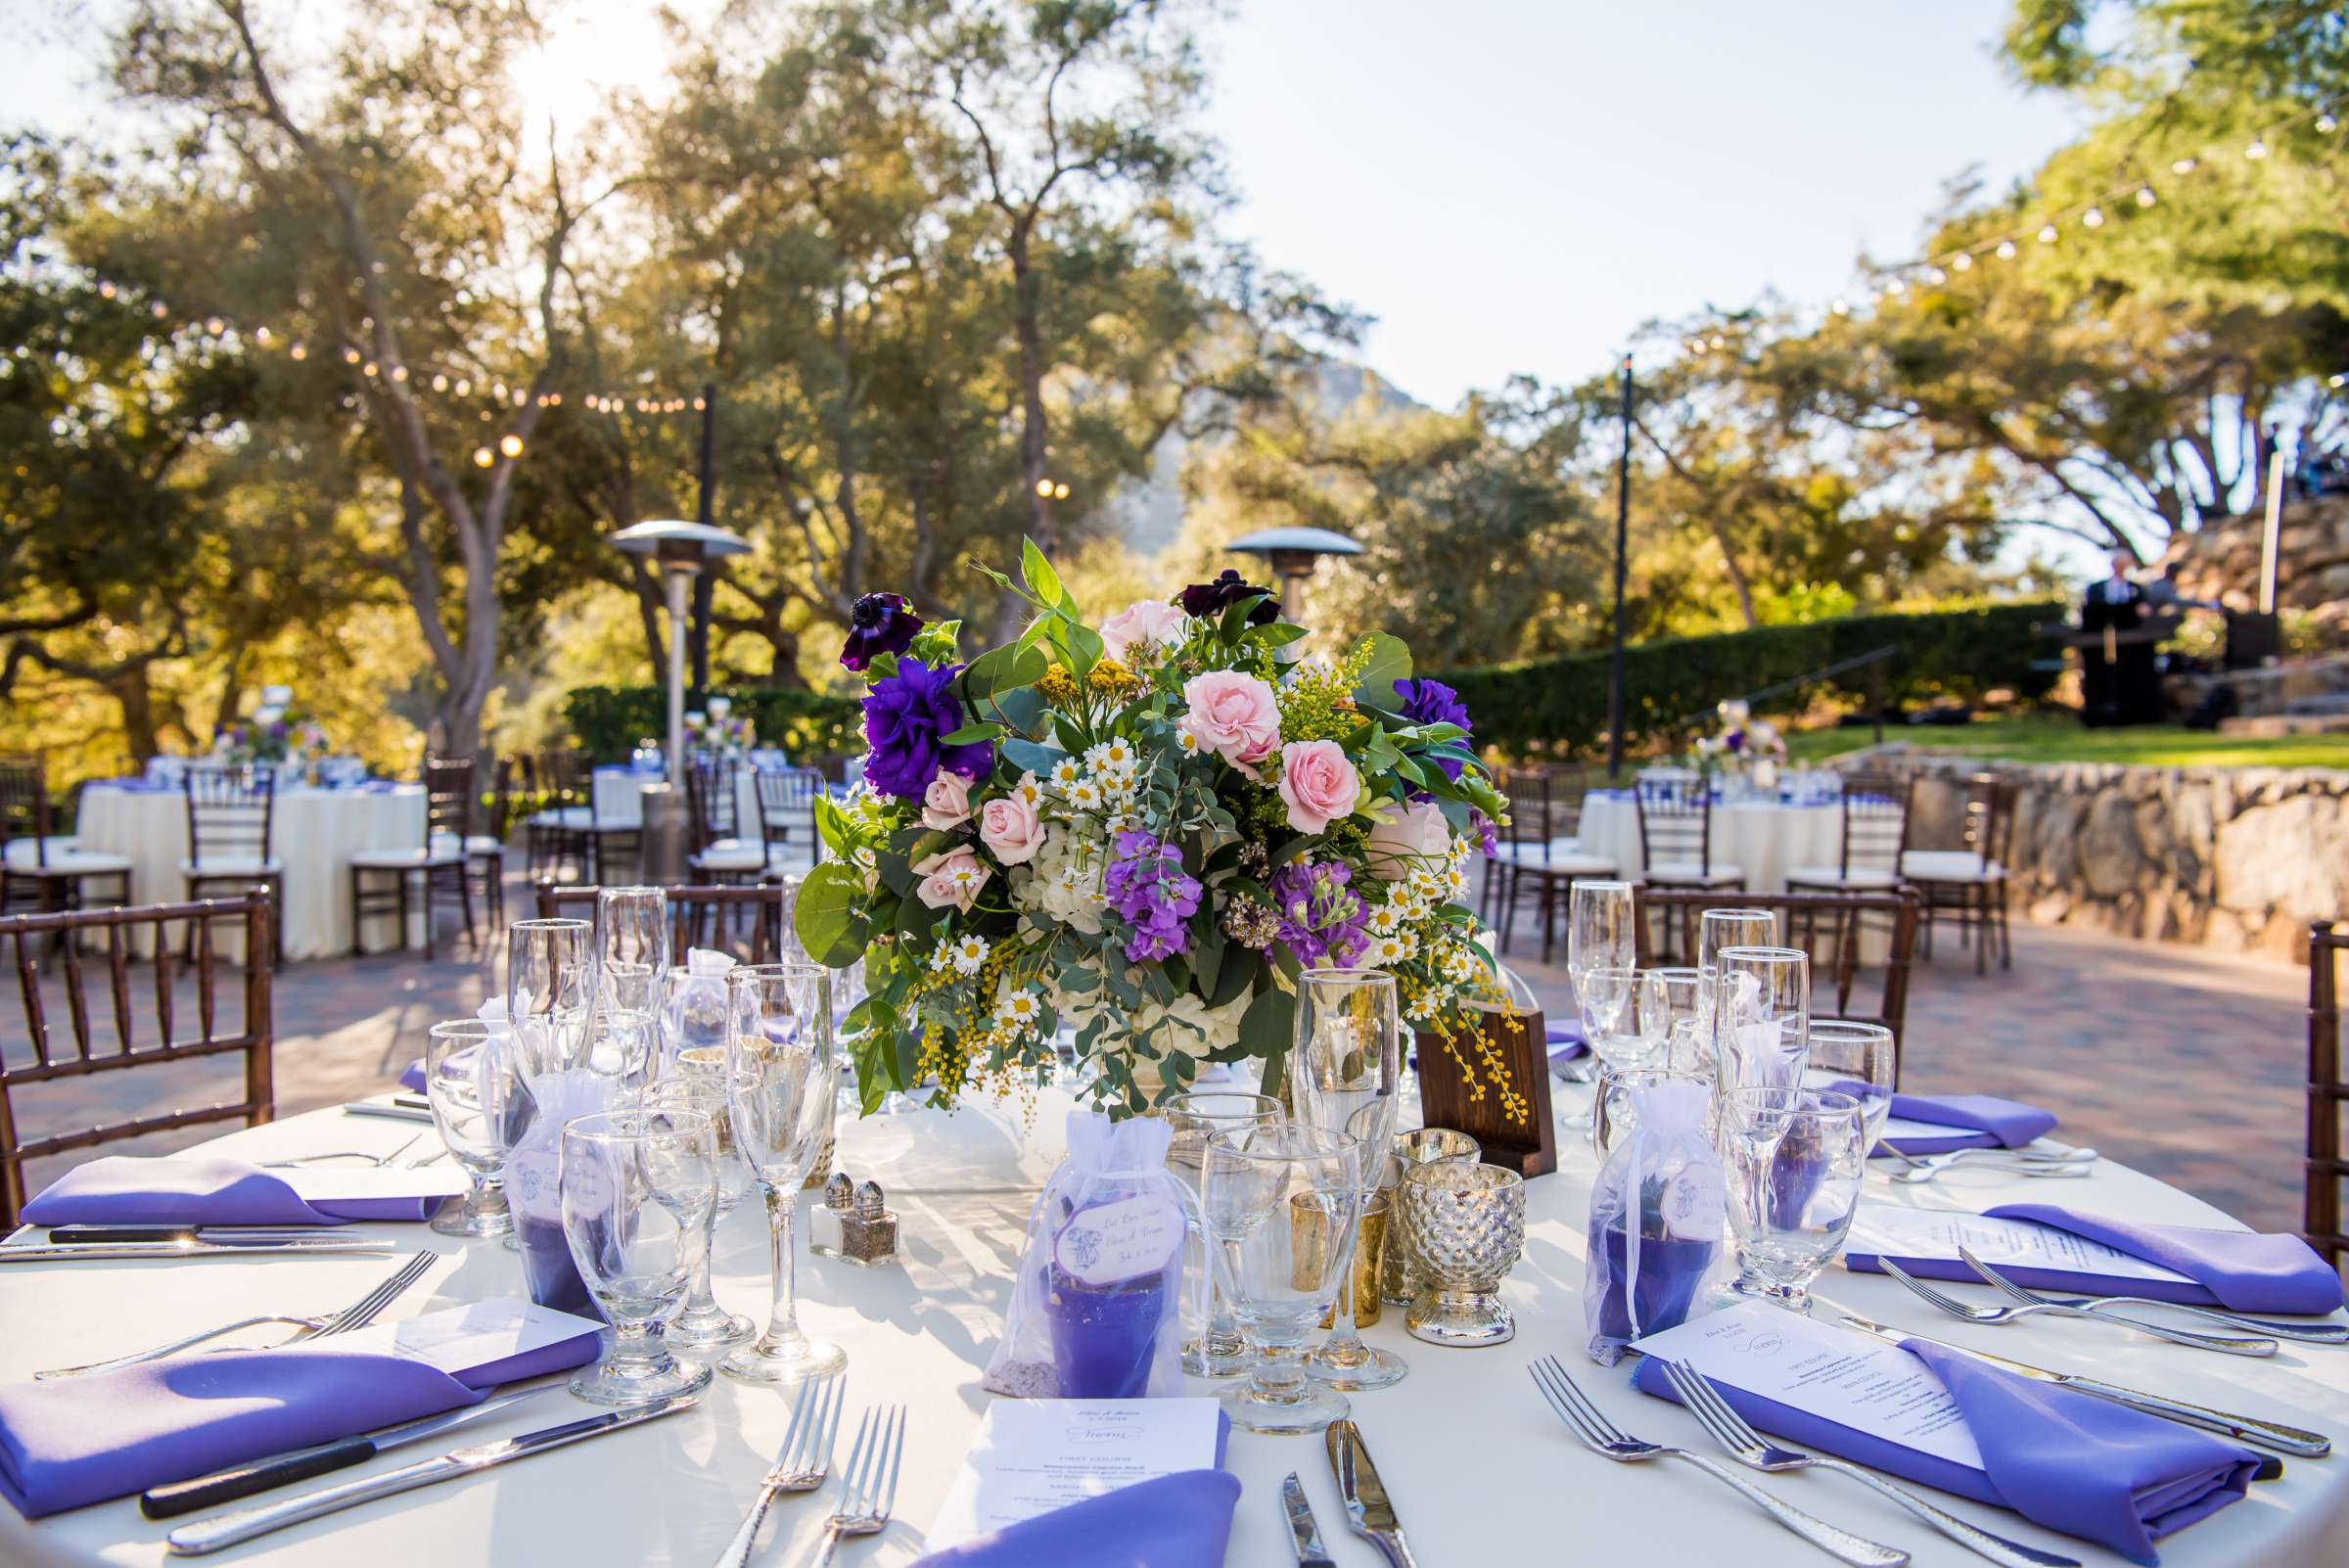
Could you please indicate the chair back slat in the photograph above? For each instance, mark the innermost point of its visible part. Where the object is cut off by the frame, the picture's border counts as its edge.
(1675, 821)
(230, 813)
(700, 914)
(25, 806)
(711, 793)
(2327, 1094)
(1875, 822)
(50, 1059)
(787, 803)
(447, 798)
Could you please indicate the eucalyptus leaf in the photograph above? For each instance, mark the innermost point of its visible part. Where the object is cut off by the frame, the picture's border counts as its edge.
(829, 915)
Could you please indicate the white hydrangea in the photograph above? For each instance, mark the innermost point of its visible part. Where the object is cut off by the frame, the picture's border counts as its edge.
(1066, 880)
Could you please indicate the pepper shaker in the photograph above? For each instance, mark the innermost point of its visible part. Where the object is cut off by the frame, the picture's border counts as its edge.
(869, 1233)
(827, 1221)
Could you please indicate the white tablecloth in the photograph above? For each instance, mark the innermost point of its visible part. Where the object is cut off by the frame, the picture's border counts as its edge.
(620, 798)
(1764, 837)
(315, 832)
(1481, 1471)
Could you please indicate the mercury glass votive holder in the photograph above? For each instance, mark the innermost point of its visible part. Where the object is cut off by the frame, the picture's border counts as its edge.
(1398, 1280)
(1468, 1222)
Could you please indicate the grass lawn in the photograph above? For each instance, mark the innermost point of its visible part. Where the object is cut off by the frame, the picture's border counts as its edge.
(2052, 738)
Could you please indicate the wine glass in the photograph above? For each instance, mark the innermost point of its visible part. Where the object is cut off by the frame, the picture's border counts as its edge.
(1278, 1204)
(1605, 995)
(1194, 1118)
(1761, 1017)
(1347, 1059)
(1850, 1057)
(631, 961)
(1793, 1158)
(637, 1188)
(1668, 1001)
(1600, 932)
(704, 1325)
(479, 1106)
(1716, 928)
(784, 1072)
(550, 993)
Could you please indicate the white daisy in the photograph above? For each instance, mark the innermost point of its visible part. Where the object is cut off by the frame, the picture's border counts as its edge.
(1384, 921)
(1083, 795)
(1387, 950)
(1028, 790)
(1186, 743)
(967, 953)
(1019, 1009)
(1114, 754)
(1066, 772)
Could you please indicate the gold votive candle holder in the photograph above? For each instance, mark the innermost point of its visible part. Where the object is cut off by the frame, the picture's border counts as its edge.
(1398, 1279)
(1370, 1235)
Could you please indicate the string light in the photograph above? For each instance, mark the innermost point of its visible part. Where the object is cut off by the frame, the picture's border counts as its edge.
(2005, 250)
(2144, 196)
(2327, 124)
(2257, 150)
(439, 383)
(2046, 233)
(2093, 217)
(105, 291)
(1963, 261)
(511, 446)
(2185, 166)
(481, 458)
(298, 352)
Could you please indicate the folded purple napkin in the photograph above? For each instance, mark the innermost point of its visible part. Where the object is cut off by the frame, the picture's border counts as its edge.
(412, 1079)
(1176, 1521)
(1977, 1121)
(77, 1440)
(1566, 1045)
(2241, 1271)
(2081, 1465)
(199, 1190)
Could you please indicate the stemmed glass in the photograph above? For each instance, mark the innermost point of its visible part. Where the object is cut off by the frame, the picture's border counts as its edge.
(704, 1325)
(479, 1106)
(1195, 1118)
(783, 1076)
(1793, 1159)
(1279, 1204)
(1605, 992)
(637, 1188)
(1670, 1002)
(1716, 928)
(1347, 1059)
(1601, 933)
(631, 953)
(550, 993)
(1761, 1017)
(1850, 1057)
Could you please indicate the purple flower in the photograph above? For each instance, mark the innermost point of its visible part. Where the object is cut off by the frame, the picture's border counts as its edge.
(1204, 600)
(1734, 740)
(1320, 916)
(1431, 702)
(1488, 837)
(1147, 887)
(880, 624)
(908, 716)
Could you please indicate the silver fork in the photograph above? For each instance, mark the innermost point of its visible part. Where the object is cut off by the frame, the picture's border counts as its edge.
(2308, 1333)
(1996, 1316)
(866, 1493)
(2010, 1162)
(1601, 1436)
(799, 1464)
(358, 1314)
(379, 1160)
(1749, 1447)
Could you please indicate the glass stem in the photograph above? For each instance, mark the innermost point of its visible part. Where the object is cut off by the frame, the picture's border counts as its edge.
(1279, 1376)
(783, 1322)
(631, 1348)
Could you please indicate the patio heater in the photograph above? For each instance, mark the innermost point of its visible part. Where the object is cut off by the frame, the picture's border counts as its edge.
(680, 550)
(1293, 554)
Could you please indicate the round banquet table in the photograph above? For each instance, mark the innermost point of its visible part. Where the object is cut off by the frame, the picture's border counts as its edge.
(1481, 1471)
(1766, 839)
(619, 795)
(314, 832)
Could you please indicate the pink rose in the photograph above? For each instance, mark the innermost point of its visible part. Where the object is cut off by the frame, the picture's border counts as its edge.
(1010, 828)
(1317, 784)
(946, 802)
(1232, 715)
(1143, 620)
(1406, 838)
(953, 877)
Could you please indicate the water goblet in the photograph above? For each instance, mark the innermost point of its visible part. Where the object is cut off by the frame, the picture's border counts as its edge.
(1761, 1017)
(550, 993)
(1666, 1002)
(480, 1105)
(1278, 1205)
(1792, 1158)
(1605, 995)
(1855, 1058)
(637, 1188)
(704, 1325)
(1617, 1102)
(1218, 1351)
(1347, 1063)
(784, 1074)
(1469, 1221)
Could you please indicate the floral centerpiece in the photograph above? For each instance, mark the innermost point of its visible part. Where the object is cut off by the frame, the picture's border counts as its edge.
(277, 733)
(1142, 831)
(1747, 748)
(717, 731)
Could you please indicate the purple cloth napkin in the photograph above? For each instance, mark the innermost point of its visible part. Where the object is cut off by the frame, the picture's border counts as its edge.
(72, 1441)
(2064, 1459)
(1566, 1045)
(1981, 1121)
(413, 1078)
(2241, 1271)
(197, 1191)
(1176, 1521)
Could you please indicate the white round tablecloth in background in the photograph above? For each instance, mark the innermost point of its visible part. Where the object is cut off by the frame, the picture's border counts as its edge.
(1767, 839)
(314, 832)
(620, 798)
(1480, 1469)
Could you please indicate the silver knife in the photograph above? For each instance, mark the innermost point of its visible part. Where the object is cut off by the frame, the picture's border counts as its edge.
(228, 1529)
(1368, 1512)
(52, 1251)
(1310, 1553)
(2270, 1435)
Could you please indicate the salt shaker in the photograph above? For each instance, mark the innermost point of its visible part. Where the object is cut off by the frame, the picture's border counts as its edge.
(827, 1221)
(870, 1234)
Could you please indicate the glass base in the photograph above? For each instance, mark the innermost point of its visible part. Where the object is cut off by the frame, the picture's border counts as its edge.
(1356, 1366)
(1315, 1406)
(1218, 1356)
(639, 1382)
(462, 1216)
(1795, 1298)
(788, 1362)
(715, 1329)
(1468, 1318)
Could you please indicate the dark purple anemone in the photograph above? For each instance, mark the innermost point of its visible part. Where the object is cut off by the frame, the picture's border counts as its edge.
(880, 624)
(1204, 601)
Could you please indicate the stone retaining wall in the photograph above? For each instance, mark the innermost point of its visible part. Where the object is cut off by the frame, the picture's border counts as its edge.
(2239, 859)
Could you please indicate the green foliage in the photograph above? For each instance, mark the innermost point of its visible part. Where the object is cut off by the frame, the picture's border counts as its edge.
(1559, 706)
(609, 721)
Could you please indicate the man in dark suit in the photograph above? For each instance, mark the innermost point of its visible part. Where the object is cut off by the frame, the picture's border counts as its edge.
(2118, 681)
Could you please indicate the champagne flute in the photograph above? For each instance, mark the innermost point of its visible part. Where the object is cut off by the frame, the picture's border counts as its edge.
(1761, 1017)
(704, 1325)
(1348, 1061)
(550, 993)
(1716, 928)
(1854, 1059)
(1601, 933)
(631, 952)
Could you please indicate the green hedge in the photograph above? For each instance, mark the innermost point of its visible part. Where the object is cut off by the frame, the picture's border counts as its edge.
(610, 720)
(1559, 706)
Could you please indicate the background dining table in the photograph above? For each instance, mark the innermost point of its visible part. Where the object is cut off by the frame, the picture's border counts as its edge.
(315, 831)
(1766, 839)
(1480, 1469)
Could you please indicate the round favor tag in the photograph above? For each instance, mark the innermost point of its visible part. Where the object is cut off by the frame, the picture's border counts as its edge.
(1109, 1243)
(1694, 1203)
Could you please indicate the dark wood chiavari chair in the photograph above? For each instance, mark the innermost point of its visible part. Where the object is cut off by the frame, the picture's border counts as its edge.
(67, 1039)
(437, 865)
(1824, 924)
(1969, 882)
(40, 868)
(231, 816)
(1540, 856)
(787, 833)
(1675, 835)
(758, 937)
(2327, 1096)
(720, 854)
(1874, 837)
